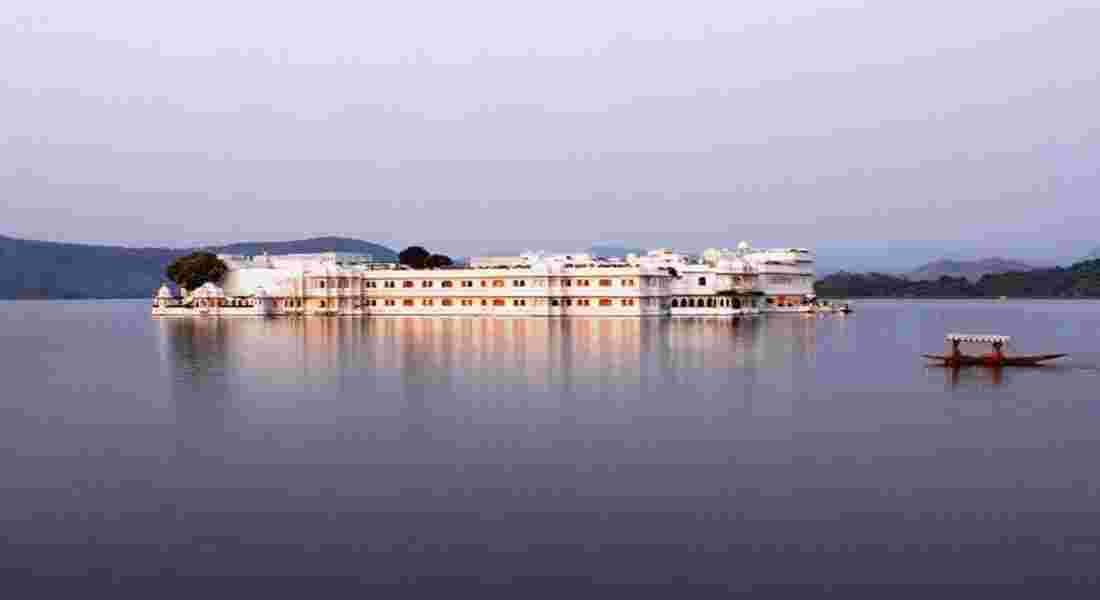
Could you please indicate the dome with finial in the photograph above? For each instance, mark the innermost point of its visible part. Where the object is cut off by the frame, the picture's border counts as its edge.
(209, 290)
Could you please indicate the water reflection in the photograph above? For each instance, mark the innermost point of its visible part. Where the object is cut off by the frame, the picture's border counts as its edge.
(797, 449)
(411, 369)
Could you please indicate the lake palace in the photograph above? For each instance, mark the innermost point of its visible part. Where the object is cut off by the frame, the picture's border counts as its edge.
(719, 282)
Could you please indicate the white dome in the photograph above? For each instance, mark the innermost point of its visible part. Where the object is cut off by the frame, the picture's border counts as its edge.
(164, 292)
(209, 290)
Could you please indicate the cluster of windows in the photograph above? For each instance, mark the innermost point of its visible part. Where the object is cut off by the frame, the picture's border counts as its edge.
(788, 302)
(497, 283)
(516, 302)
(706, 302)
(341, 284)
(346, 283)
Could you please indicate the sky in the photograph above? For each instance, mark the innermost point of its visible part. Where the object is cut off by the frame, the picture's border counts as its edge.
(866, 130)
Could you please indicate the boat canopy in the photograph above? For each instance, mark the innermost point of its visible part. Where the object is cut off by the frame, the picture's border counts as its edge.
(978, 339)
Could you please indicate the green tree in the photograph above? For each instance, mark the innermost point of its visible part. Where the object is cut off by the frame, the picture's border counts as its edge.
(193, 270)
(414, 256)
(437, 261)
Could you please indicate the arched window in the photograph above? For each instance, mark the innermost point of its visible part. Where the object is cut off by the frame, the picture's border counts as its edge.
(322, 304)
(675, 304)
(322, 283)
(736, 303)
(702, 281)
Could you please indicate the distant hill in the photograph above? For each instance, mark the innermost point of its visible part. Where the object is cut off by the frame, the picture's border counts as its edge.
(1082, 280)
(972, 270)
(614, 251)
(36, 269)
(310, 246)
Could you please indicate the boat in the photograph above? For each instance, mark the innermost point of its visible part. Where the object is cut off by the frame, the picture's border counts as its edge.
(996, 358)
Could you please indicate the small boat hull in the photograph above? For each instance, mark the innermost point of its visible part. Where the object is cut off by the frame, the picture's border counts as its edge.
(990, 360)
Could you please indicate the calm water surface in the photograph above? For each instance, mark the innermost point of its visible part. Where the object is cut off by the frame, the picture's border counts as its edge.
(778, 454)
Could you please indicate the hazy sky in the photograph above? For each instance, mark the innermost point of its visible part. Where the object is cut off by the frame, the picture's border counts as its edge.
(472, 126)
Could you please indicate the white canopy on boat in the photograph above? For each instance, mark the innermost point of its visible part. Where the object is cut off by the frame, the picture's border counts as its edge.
(977, 339)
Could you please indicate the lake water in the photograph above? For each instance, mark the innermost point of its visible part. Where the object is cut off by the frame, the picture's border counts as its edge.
(776, 454)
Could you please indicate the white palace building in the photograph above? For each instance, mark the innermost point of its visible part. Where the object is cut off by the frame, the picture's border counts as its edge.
(719, 282)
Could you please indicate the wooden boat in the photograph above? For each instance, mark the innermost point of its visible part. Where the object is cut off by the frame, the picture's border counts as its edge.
(992, 359)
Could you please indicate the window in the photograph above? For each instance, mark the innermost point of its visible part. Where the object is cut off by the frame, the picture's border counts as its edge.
(584, 282)
(372, 303)
(427, 302)
(498, 301)
(322, 304)
(467, 284)
(585, 302)
(702, 281)
(567, 282)
(628, 283)
(343, 284)
(605, 283)
(407, 302)
(519, 283)
(407, 284)
(484, 283)
(322, 283)
(484, 302)
(447, 284)
(391, 302)
(771, 300)
(427, 283)
(568, 302)
(605, 301)
(498, 283)
(555, 302)
(390, 284)
(372, 284)
(519, 302)
(628, 302)
(467, 302)
(448, 301)
(675, 303)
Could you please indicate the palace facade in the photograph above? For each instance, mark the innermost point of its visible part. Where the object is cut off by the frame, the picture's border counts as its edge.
(720, 282)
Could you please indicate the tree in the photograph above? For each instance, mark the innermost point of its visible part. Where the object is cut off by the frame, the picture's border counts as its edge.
(414, 256)
(193, 270)
(437, 261)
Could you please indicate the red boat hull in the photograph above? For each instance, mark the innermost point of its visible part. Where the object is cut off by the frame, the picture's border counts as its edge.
(990, 360)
